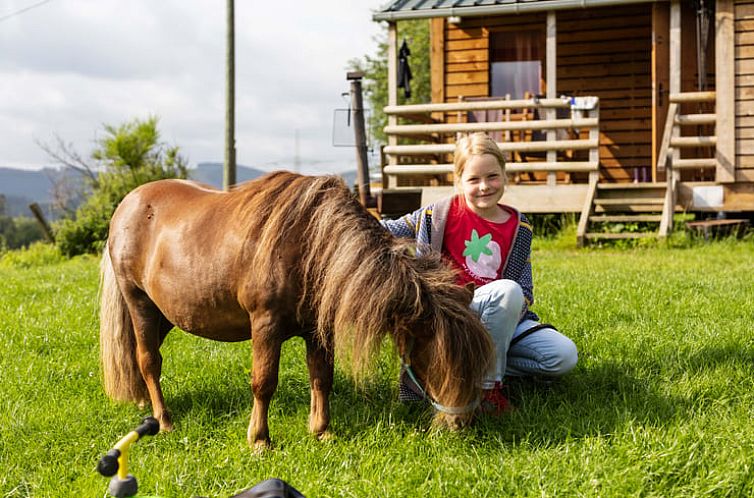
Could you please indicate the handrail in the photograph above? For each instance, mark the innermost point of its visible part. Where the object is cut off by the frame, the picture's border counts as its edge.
(584, 115)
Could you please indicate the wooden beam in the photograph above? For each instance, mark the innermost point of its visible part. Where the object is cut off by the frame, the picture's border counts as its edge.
(586, 209)
(556, 145)
(660, 30)
(725, 100)
(441, 169)
(476, 106)
(491, 126)
(551, 61)
(437, 60)
(392, 88)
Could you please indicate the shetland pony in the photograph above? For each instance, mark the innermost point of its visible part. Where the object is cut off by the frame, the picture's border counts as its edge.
(285, 255)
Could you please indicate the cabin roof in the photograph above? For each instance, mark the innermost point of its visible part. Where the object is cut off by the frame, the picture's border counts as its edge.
(396, 10)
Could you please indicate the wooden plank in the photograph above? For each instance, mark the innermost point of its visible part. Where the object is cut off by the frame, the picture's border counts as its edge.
(466, 66)
(746, 38)
(604, 47)
(467, 56)
(744, 133)
(745, 146)
(586, 208)
(468, 44)
(544, 145)
(437, 60)
(744, 93)
(619, 235)
(392, 83)
(725, 81)
(593, 70)
(455, 33)
(469, 77)
(681, 142)
(454, 91)
(744, 11)
(512, 167)
(744, 52)
(541, 124)
(744, 108)
(744, 66)
(609, 58)
(640, 31)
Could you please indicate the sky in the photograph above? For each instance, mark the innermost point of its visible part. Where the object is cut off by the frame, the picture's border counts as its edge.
(69, 67)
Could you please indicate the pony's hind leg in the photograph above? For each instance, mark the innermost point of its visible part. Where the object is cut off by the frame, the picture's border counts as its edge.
(320, 363)
(150, 328)
(267, 340)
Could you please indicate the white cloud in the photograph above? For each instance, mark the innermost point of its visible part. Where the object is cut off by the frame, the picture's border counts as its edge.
(70, 66)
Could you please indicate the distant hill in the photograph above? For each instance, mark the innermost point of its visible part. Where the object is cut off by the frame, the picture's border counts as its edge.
(212, 173)
(22, 187)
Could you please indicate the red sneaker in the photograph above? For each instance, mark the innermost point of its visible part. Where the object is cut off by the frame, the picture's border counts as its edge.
(494, 401)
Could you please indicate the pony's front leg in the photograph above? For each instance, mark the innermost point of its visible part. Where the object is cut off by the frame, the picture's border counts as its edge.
(320, 364)
(267, 341)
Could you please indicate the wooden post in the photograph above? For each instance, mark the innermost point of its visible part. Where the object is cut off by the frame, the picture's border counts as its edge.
(725, 99)
(39, 215)
(673, 175)
(362, 162)
(552, 85)
(229, 167)
(392, 90)
(660, 93)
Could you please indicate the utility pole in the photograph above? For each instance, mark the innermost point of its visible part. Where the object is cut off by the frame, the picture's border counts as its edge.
(229, 167)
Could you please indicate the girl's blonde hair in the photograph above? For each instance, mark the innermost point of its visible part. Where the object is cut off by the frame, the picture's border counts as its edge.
(475, 144)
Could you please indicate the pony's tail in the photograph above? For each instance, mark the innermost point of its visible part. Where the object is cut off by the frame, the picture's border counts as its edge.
(122, 378)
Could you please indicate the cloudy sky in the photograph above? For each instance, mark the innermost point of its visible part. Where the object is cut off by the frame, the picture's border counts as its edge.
(67, 67)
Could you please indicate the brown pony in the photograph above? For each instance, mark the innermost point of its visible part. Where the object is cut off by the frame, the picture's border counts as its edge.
(285, 255)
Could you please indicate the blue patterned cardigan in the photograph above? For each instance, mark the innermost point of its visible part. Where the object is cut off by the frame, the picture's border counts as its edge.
(427, 226)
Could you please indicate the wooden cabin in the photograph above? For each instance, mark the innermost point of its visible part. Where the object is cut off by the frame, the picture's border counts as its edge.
(617, 110)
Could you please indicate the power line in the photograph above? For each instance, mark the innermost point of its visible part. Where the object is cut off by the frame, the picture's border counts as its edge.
(25, 9)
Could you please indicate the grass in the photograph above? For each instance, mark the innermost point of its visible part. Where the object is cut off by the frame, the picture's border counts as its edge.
(660, 404)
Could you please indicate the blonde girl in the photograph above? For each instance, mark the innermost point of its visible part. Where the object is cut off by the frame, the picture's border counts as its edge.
(489, 243)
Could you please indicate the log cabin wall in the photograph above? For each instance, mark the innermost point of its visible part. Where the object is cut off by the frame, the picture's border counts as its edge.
(744, 60)
(604, 52)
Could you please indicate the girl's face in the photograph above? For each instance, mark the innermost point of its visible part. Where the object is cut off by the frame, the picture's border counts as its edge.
(482, 184)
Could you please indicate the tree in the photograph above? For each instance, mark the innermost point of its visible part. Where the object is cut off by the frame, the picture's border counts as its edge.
(416, 34)
(128, 156)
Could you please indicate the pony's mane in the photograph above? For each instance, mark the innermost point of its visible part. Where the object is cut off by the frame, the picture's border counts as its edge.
(358, 281)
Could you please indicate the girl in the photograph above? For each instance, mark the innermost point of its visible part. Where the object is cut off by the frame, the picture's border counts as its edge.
(490, 245)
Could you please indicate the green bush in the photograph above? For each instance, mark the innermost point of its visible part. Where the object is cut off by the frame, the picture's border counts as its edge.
(128, 156)
(36, 254)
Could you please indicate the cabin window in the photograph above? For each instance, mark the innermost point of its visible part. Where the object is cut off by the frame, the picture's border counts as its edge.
(516, 60)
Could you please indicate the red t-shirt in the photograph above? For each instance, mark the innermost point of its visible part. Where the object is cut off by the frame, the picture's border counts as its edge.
(475, 246)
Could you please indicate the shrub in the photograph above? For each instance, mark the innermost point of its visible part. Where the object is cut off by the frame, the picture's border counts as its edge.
(128, 156)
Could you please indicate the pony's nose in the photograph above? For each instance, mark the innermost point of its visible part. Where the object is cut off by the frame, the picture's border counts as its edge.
(452, 422)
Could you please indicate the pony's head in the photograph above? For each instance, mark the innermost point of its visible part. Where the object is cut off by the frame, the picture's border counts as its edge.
(444, 345)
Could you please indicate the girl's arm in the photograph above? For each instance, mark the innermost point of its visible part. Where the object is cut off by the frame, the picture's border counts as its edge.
(405, 226)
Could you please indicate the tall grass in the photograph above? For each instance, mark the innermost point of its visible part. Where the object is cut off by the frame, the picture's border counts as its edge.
(661, 403)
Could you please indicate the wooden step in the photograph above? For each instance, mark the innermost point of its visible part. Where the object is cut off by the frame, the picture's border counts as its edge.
(638, 201)
(632, 186)
(626, 218)
(621, 235)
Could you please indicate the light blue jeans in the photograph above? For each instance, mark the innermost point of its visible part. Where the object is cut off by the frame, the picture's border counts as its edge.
(545, 352)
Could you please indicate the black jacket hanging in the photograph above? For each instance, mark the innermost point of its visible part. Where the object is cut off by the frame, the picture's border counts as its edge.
(404, 70)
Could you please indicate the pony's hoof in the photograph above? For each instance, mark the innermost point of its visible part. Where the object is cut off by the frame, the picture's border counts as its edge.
(326, 436)
(262, 447)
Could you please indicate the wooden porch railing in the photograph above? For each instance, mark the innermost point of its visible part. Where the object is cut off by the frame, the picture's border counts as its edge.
(438, 137)
(669, 159)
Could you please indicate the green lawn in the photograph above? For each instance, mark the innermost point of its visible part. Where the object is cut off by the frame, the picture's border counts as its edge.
(661, 403)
